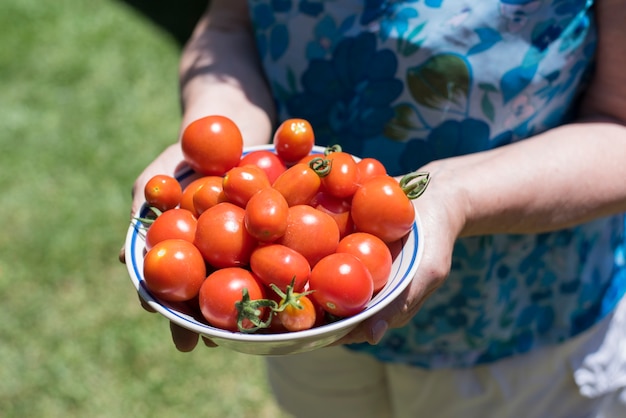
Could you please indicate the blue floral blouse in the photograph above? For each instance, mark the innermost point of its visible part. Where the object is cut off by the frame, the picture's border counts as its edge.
(413, 81)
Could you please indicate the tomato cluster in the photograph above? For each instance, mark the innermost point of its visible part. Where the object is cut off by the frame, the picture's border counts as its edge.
(278, 241)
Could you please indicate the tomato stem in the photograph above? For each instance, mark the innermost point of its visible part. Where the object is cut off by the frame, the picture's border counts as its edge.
(332, 148)
(251, 311)
(288, 297)
(414, 184)
(149, 221)
(321, 166)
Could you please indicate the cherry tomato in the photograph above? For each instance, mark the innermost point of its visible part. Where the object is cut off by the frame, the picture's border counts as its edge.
(240, 183)
(186, 202)
(311, 232)
(220, 292)
(381, 208)
(280, 265)
(308, 158)
(341, 284)
(222, 238)
(174, 270)
(212, 145)
(373, 252)
(294, 139)
(299, 315)
(208, 194)
(163, 192)
(370, 167)
(266, 215)
(276, 325)
(265, 160)
(343, 178)
(299, 184)
(174, 223)
(337, 208)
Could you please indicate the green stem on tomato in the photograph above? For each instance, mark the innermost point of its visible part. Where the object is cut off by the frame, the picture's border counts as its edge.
(251, 310)
(149, 221)
(288, 297)
(332, 148)
(321, 166)
(414, 184)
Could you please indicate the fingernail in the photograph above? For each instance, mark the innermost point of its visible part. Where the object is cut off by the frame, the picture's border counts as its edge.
(378, 331)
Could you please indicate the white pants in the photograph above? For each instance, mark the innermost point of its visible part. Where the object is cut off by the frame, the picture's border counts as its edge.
(583, 377)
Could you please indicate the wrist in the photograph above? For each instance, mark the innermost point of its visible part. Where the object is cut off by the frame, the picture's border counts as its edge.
(445, 201)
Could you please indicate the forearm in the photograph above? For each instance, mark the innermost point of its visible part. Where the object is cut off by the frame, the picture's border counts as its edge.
(560, 178)
(220, 73)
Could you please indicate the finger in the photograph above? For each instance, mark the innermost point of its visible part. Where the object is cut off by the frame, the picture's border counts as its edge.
(373, 329)
(208, 342)
(145, 304)
(135, 205)
(363, 334)
(184, 339)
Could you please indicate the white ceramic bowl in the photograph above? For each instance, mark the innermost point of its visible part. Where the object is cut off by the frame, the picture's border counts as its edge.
(404, 267)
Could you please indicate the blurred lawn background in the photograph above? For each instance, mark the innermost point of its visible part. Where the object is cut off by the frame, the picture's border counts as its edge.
(88, 98)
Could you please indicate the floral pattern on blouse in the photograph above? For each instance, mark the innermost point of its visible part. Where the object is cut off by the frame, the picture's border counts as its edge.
(413, 81)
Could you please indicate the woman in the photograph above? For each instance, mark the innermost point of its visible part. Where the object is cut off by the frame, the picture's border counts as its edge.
(517, 110)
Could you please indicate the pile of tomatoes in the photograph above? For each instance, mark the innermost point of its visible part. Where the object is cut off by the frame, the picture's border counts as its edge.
(274, 240)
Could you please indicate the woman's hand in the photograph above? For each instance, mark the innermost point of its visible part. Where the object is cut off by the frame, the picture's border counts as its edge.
(219, 74)
(440, 211)
(168, 162)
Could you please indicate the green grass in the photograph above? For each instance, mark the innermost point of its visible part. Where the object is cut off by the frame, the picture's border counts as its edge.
(88, 97)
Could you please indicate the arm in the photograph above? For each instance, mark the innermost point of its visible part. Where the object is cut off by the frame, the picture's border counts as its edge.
(563, 177)
(219, 74)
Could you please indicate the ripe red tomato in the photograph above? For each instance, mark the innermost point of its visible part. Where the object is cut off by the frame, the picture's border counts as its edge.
(163, 192)
(221, 291)
(341, 284)
(299, 315)
(222, 238)
(294, 139)
(265, 160)
(280, 265)
(240, 183)
(308, 158)
(343, 178)
(174, 223)
(373, 252)
(186, 202)
(311, 232)
(380, 207)
(212, 145)
(208, 194)
(266, 215)
(370, 167)
(298, 184)
(174, 270)
(337, 208)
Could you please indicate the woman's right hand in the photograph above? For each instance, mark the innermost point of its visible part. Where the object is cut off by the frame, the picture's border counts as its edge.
(219, 74)
(168, 162)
